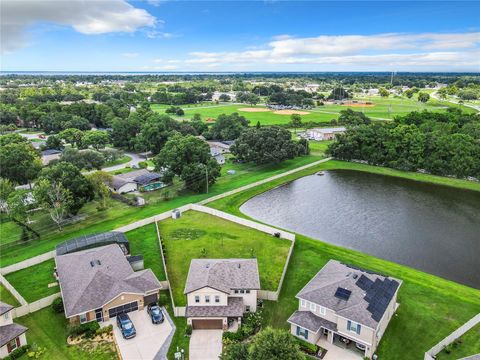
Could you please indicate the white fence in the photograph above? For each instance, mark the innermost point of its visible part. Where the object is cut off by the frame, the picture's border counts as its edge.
(430, 354)
(34, 306)
(27, 263)
(12, 290)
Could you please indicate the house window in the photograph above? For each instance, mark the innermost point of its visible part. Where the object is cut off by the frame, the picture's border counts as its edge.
(197, 299)
(217, 298)
(302, 332)
(236, 291)
(12, 345)
(312, 307)
(83, 318)
(247, 308)
(247, 291)
(242, 291)
(353, 327)
(303, 303)
(207, 298)
(322, 310)
(6, 316)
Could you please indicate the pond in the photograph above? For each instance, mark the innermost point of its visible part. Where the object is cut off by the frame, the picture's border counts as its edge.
(429, 227)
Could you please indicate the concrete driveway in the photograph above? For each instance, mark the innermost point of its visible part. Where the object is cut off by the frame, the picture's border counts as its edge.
(148, 341)
(205, 344)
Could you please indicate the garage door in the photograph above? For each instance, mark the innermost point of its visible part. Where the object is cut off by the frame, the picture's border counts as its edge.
(150, 299)
(207, 324)
(123, 309)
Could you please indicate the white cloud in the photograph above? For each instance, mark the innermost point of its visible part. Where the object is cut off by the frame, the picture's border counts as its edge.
(155, 34)
(130, 54)
(86, 17)
(455, 50)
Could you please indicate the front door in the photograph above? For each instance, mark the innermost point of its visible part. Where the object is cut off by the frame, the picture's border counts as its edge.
(99, 315)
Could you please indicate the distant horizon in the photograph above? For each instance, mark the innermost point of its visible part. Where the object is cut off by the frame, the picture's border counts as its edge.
(32, 72)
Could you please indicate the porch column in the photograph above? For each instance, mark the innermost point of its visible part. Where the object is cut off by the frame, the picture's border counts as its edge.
(330, 337)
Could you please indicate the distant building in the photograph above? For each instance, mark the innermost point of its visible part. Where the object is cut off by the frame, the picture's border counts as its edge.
(321, 134)
(12, 335)
(50, 155)
(141, 179)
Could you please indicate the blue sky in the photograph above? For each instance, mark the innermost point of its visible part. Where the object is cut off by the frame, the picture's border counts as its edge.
(116, 35)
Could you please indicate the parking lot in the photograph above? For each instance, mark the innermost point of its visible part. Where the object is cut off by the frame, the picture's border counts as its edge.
(149, 338)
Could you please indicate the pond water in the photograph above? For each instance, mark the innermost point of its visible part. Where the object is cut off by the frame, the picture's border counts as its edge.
(428, 227)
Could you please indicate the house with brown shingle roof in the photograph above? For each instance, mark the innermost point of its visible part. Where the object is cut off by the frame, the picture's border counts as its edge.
(220, 291)
(100, 283)
(345, 305)
(12, 335)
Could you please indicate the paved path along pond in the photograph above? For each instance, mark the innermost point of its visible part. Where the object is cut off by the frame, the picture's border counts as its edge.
(428, 227)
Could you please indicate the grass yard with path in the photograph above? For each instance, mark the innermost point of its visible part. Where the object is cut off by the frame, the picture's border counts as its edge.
(466, 345)
(7, 297)
(124, 159)
(47, 329)
(119, 214)
(199, 235)
(144, 241)
(32, 282)
(430, 307)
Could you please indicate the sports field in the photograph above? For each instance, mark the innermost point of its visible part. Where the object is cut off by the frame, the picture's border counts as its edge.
(380, 109)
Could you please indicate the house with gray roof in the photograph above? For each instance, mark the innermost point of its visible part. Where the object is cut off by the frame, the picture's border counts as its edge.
(12, 335)
(220, 291)
(136, 180)
(343, 304)
(99, 283)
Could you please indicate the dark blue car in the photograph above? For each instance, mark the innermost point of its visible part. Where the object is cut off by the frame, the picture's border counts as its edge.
(126, 326)
(155, 313)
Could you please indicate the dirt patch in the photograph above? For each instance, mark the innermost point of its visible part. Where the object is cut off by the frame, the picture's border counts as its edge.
(254, 109)
(359, 104)
(290, 112)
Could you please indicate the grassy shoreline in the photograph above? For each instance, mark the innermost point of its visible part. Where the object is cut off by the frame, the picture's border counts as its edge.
(431, 307)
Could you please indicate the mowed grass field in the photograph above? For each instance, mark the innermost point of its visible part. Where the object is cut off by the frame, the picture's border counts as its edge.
(383, 109)
(198, 235)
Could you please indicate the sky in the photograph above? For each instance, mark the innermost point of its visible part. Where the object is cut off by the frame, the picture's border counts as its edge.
(157, 35)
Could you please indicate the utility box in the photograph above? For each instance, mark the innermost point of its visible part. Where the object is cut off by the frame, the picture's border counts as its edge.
(176, 214)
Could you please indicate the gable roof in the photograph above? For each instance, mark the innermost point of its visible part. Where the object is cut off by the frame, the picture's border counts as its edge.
(222, 274)
(4, 307)
(10, 332)
(351, 292)
(141, 176)
(91, 278)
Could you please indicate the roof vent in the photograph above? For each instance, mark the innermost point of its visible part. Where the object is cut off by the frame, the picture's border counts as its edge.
(239, 265)
(98, 262)
(208, 265)
(92, 264)
(355, 276)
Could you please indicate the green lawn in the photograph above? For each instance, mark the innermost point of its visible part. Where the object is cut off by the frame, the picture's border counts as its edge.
(143, 241)
(47, 329)
(185, 239)
(32, 282)
(179, 339)
(466, 345)
(7, 297)
(124, 159)
(122, 171)
(119, 214)
(384, 109)
(431, 307)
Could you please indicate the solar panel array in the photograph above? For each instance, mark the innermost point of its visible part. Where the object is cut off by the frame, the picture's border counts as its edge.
(378, 294)
(90, 241)
(343, 294)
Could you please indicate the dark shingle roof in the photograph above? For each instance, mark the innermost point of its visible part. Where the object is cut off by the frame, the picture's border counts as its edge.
(4, 307)
(51, 152)
(144, 179)
(91, 278)
(10, 332)
(368, 293)
(90, 241)
(222, 274)
(234, 308)
(312, 322)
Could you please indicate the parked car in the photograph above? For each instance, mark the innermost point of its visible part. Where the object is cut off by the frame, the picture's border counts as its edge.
(155, 313)
(360, 346)
(126, 326)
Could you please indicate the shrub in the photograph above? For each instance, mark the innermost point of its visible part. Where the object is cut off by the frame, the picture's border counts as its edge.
(89, 329)
(188, 330)
(57, 305)
(105, 330)
(143, 164)
(307, 347)
(17, 353)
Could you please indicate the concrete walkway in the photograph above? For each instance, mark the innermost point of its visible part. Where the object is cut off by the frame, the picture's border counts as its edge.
(205, 344)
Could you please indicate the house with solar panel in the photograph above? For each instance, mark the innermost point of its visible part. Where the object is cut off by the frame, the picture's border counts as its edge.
(345, 306)
(137, 180)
